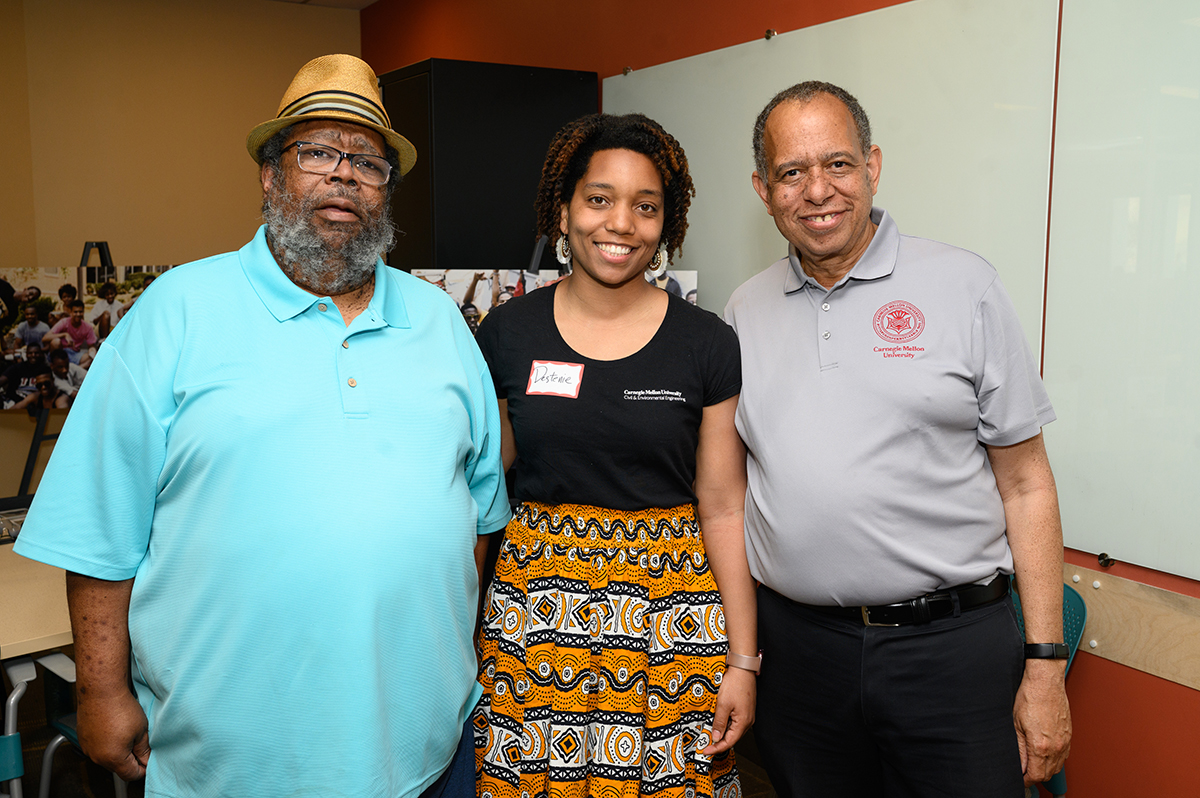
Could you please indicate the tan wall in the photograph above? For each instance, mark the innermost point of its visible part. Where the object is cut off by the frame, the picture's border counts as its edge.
(137, 118)
(16, 435)
(128, 120)
(18, 245)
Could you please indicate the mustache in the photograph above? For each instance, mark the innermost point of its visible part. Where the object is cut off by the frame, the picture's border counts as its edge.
(359, 204)
(363, 209)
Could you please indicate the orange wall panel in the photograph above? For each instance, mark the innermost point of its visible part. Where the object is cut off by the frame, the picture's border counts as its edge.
(603, 39)
(1135, 734)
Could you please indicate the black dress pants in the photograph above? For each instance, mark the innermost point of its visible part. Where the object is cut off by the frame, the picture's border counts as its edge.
(922, 710)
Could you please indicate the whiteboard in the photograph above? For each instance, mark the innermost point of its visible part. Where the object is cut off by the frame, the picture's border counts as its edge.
(961, 99)
(1122, 357)
(959, 93)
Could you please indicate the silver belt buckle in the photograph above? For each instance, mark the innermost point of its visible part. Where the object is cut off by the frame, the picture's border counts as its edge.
(866, 618)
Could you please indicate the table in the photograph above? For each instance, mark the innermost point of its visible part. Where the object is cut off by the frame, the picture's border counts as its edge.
(33, 606)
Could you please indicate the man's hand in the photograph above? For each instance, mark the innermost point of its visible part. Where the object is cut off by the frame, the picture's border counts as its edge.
(735, 710)
(112, 732)
(1043, 719)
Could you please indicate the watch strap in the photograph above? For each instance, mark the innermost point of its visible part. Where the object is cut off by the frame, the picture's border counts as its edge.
(1047, 651)
(752, 664)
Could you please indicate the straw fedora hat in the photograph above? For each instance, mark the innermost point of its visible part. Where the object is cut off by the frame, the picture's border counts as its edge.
(339, 87)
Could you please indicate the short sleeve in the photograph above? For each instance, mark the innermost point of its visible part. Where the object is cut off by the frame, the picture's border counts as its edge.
(94, 506)
(485, 469)
(724, 377)
(1013, 404)
(93, 509)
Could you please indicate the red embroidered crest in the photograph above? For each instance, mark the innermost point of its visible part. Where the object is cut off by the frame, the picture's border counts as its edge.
(898, 322)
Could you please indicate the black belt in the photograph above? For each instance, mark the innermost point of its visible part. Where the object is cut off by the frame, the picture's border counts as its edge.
(922, 609)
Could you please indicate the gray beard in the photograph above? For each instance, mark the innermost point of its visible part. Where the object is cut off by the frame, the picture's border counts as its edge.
(308, 259)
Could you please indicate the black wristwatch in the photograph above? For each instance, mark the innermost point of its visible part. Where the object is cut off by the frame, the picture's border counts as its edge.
(1047, 651)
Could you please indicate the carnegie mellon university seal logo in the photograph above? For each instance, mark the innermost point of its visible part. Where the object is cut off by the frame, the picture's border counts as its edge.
(898, 322)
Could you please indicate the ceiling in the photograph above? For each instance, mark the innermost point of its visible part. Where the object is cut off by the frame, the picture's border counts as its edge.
(358, 5)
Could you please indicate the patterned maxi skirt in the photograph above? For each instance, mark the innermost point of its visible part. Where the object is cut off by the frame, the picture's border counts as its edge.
(603, 647)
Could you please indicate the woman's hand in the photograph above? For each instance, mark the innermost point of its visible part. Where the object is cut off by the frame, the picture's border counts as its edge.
(735, 709)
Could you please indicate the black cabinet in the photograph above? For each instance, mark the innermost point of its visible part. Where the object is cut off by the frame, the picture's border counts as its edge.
(481, 133)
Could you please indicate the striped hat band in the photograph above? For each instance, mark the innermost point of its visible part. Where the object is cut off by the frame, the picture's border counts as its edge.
(333, 100)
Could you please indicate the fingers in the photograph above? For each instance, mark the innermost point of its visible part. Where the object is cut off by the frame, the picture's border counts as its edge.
(719, 741)
(1041, 756)
(141, 750)
(113, 733)
(726, 737)
(1042, 768)
(122, 762)
(131, 769)
(734, 712)
(720, 723)
(727, 741)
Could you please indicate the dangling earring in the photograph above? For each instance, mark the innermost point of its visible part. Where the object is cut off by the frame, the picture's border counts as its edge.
(658, 264)
(562, 251)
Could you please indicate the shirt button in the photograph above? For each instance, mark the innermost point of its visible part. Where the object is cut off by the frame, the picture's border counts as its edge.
(345, 344)
(352, 382)
(825, 335)
(825, 306)
(322, 307)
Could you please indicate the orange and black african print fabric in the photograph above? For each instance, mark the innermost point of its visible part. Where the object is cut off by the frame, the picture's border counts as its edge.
(603, 646)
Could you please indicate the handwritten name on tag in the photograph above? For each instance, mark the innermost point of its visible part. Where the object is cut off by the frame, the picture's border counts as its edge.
(551, 378)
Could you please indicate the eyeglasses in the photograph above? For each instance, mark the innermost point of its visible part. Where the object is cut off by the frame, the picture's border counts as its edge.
(322, 159)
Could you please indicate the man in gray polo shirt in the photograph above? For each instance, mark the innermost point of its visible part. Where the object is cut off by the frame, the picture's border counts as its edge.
(892, 412)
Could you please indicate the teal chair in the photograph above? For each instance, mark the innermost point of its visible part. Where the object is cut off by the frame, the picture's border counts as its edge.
(20, 672)
(1074, 617)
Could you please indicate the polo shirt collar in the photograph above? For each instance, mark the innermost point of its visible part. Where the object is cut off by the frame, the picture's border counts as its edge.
(878, 261)
(388, 300)
(286, 300)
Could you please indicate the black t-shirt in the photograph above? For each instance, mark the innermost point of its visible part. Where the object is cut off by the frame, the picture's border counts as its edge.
(619, 434)
(8, 304)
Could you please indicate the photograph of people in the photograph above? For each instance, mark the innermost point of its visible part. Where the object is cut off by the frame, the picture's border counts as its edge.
(618, 649)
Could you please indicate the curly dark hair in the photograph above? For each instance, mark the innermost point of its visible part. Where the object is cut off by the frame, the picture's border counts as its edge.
(571, 152)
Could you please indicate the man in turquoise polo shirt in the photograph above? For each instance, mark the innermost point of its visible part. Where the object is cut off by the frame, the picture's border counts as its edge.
(892, 412)
(279, 551)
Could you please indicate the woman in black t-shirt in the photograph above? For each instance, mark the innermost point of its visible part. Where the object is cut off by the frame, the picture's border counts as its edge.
(604, 644)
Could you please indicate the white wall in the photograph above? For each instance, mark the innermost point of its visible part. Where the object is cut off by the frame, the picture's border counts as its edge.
(961, 99)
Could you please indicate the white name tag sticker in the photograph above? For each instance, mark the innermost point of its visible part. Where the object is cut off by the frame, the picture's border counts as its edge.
(551, 378)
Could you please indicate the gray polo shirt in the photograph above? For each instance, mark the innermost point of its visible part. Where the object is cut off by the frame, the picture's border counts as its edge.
(865, 410)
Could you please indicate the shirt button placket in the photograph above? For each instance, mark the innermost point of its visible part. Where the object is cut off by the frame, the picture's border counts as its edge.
(354, 394)
(825, 335)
